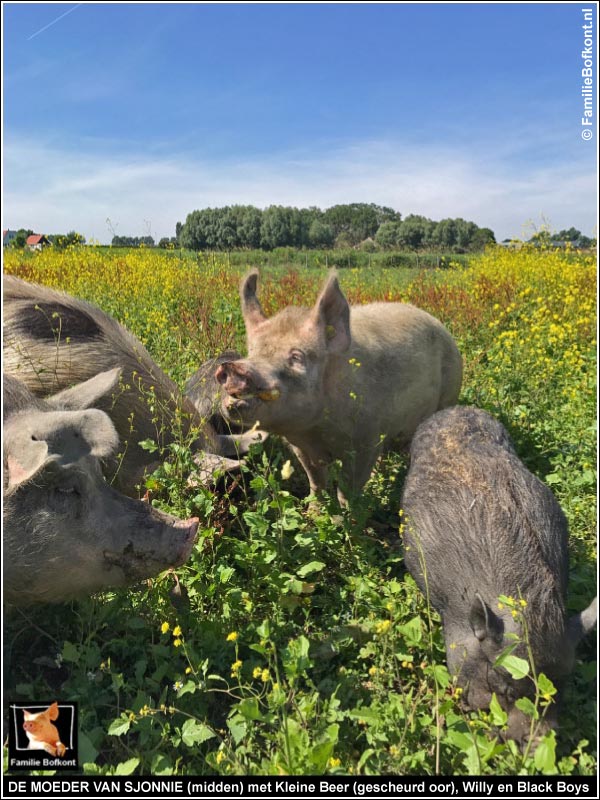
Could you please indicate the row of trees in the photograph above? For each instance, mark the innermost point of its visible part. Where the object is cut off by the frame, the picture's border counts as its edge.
(240, 227)
(571, 235)
(60, 240)
(132, 241)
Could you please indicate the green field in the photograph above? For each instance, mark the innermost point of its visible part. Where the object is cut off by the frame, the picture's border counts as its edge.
(298, 644)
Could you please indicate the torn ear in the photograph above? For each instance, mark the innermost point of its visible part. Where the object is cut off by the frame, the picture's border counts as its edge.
(31, 459)
(332, 314)
(484, 623)
(251, 310)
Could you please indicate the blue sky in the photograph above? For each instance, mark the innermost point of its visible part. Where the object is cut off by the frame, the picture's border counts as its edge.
(140, 113)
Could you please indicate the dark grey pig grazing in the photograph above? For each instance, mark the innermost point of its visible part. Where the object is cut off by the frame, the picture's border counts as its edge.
(480, 525)
(340, 382)
(66, 532)
(53, 340)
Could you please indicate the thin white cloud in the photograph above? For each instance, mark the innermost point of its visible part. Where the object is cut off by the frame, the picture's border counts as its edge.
(54, 21)
(51, 189)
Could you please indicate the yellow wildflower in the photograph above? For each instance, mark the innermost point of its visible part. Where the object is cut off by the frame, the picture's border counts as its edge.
(287, 471)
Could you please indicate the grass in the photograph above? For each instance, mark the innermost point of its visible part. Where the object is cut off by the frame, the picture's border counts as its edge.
(295, 643)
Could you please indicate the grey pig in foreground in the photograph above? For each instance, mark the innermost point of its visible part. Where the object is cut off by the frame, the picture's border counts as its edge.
(480, 525)
(340, 382)
(66, 532)
(53, 340)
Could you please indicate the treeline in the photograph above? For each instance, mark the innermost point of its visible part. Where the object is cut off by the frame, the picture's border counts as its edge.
(358, 225)
(59, 240)
(132, 241)
(571, 236)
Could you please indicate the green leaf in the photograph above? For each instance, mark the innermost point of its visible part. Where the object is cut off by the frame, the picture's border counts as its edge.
(545, 754)
(189, 687)
(237, 726)
(368, 715)
(295, 656)
(70, 652)
(440, 674)
(516, 667)
(225, 573)
(194, 732)
(412, 631)
(460, 740)
(293, 585)
(525, 705)
(249, 709)
(150, 446)
(127, 767)
(307, 569)
(498, 714)
(161, 765)
(545, 685)
(119, 726)
(320, 753)
(472, 760)
(87, 751)
(364, 758)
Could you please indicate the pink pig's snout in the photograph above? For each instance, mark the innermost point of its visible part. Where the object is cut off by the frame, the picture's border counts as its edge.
(234, 378)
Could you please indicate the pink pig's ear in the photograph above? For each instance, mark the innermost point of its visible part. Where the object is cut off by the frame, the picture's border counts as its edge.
(332, 313)
(251, 310)
(52, 711)
(30, 460)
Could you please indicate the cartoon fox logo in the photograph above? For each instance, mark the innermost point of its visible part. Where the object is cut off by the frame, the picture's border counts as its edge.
(42, 734)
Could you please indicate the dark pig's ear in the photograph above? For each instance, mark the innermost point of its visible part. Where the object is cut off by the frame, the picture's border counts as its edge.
(332, 313)
(251, 310)
(484, 623)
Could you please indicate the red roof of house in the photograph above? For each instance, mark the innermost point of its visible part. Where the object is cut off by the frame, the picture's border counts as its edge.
(35, 238)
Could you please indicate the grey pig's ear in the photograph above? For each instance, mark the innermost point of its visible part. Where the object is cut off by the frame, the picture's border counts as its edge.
(332, 314)
(484, 623)
(86, 394)
(581, 624)
(251, 310)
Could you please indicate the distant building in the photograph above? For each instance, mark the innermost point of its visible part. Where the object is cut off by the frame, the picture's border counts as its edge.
(8, 237)
(37, 241)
